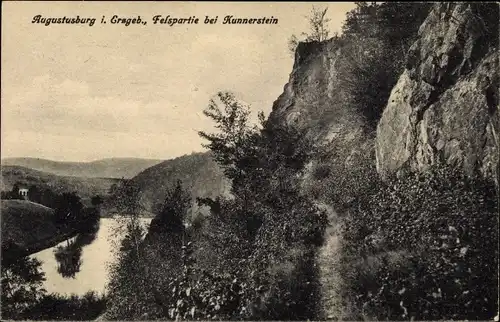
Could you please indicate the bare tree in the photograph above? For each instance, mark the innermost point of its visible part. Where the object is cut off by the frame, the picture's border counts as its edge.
(318, 28)
(318, 23)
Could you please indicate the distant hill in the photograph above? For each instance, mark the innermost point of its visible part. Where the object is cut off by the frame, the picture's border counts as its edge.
(105, 168)
(85, 187)
(198, 173)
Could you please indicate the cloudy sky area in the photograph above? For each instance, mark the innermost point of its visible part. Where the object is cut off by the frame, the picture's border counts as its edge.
(80, 93)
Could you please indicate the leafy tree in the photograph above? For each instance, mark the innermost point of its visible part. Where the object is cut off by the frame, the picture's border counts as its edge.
(48, 198)
(231, 143)
(68, 208)
(14, 193)
(170, 219)
(128, 286)
(130, 290)
(34, 194)
(127, 199)
(22, 286)
(96, 200)
(268, 217)
(6, 195)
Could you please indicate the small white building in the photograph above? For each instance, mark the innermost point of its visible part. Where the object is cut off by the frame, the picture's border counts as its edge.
(23, 192)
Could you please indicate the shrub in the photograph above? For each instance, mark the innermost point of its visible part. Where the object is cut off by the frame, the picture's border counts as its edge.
(321, 171)
(22, 286)
(446, 226)
(59, 307)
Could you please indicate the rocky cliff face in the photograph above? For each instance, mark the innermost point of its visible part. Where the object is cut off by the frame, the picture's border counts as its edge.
(313, 96)
(444, 108)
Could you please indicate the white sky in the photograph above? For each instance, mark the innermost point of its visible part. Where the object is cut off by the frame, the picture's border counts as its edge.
(80, 93)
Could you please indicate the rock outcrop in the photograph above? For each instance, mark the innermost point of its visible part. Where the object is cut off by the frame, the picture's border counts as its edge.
(444, 108)
(313, 97)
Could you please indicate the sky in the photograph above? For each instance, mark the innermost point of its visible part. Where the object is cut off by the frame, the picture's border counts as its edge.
(81, 93)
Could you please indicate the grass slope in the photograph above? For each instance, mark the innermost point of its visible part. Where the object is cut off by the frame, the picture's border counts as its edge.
(29, 226)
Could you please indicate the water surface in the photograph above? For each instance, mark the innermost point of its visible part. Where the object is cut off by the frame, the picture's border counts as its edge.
(93, 264)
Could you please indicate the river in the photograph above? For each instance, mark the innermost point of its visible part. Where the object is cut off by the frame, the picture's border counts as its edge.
(95, 258)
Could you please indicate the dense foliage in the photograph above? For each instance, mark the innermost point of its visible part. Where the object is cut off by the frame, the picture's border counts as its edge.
(269, 231)
(252, 257)
(416, 247)
(24, 298)
(22, 285)
(76, 308)
(375, 40)
(424, 247)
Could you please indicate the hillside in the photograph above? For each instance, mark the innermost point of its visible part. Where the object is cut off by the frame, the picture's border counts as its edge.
(407, 89)
(329, 232)
(198, 173)
(28, 227)
(85, 187)
(105, 168)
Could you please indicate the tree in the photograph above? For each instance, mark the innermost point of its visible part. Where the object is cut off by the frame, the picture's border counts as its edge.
(129, 289)
(7, 195)
(68, 208)
(232, 144)
(376, 40)
(318, 28)
(318, 24)
(96, 200)
(14, 193)
(127, 199)
(22, 286)
(268, 221)
(34, 194)
(171, 218)
(48, 198)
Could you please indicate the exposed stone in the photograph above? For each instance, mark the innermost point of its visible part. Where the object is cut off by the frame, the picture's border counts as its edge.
(444, 107)
(313, 97)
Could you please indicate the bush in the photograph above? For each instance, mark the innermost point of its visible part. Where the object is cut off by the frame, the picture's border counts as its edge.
(59, 307)
(22, 286)
(321, 171)
(445, 225)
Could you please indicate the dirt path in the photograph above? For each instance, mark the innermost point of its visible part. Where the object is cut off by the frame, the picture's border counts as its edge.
(330, 308)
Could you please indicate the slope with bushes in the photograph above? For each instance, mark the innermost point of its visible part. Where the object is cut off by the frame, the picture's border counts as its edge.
(310, 229)
(252, 257)
(441, 111)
